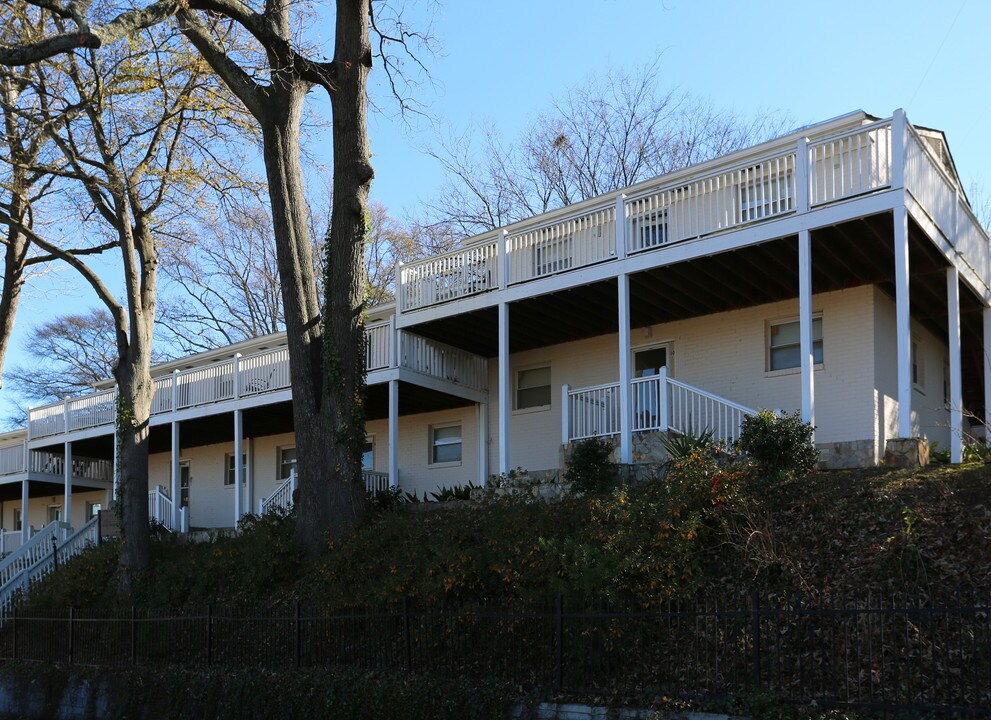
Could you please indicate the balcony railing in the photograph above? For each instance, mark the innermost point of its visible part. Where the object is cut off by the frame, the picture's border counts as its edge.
(658, 403)
(818, 172)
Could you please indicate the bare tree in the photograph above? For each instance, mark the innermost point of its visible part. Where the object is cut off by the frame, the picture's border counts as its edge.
(126, 154)
(607, 133)
(325, 350)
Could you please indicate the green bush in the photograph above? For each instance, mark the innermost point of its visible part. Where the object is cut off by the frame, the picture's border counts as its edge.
(681, 445)
(590, 469)
(778, 443)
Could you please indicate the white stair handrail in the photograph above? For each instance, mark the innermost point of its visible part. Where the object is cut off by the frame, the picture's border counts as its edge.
(61, 544)
(160, 508)
(281, 498)
(30, 552)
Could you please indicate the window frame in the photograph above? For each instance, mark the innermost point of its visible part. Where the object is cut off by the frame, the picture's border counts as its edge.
(369, 441)
(917, 364)
(282, 462)
(18, 520)
(229, 469)
(517, 388)
(817, 318)
(432, 444)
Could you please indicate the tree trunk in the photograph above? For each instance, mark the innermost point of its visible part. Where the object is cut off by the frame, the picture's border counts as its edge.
(10, 294)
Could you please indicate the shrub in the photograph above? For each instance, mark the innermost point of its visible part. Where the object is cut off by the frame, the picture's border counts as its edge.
(590, 469)
(779, 444)
(682, 445)
(387, 499)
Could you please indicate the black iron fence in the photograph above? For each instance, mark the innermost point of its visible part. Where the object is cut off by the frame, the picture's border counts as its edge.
(929, 652)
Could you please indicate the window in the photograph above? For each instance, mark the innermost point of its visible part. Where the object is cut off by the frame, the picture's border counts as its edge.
(287, 462)
(93, 509)
(445, 444)
(184, 484)
(552, 256)
(54, 513)
(17, 519)
(533, 388)
(784, 344)
(762, 196)
(918, 367)
(368, 455)
(650, 230)
(229, 474)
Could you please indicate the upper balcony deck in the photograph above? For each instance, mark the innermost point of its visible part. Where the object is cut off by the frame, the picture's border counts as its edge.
(822, 166)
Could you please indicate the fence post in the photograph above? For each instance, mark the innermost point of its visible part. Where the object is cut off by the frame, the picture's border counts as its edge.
(72, 638)
(559, 642)
(755, 635)
(209, 634)
(134, 627)
(299, 637)
(407, 639)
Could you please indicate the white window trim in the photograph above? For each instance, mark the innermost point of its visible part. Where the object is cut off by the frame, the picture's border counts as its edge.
(768, 324)
(516, 389)
(430, 444)
(244, 468)
(278, 459)
(653, 345)
(369, 439)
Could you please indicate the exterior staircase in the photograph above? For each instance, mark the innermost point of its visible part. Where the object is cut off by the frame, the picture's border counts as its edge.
(40, 555)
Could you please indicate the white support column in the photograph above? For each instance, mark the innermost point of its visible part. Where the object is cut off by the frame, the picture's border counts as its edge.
(393, 433)
(663, 412)
(502, 238)
(565, 414)
(393, 343)
(986, 316)
(25, 525)
(504, 392)
(399, 291)
(903, 328)
(67, 489)
(625, 404)
(176, 474)
(956, 386)
(483, 444)
(249, 485)
(238, 464)
(237, 376)
(899, 130)
(805, 324)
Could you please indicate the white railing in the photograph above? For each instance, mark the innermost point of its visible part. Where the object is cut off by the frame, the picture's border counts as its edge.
(930, 184)
(201, 386)
(282, 498)
(591, 412)
(160, 508)
(264, 372)
(851, 163)
(11, 540)
(694, 411)
(98, 408)
(40, 555)
(658, 403)
(161, 401)
(461, 273)
(12, 459)
(756, 190)
(567, 244)
(378, 346)
(972, 241)
(443, 361)
(46, 420)
(375, 482)
(46, 463)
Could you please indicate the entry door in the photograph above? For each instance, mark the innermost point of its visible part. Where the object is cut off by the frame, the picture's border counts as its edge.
(647, 362)
(184, 484)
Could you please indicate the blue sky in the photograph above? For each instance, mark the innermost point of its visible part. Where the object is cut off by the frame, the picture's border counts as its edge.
(501, 64)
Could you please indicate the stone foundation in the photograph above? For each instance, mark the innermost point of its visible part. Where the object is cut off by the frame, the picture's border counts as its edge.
(847, 454)
(906, 452)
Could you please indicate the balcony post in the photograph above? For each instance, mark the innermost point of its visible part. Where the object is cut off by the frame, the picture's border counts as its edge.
(393, 341)
(175, 390)
(504, 393)
(67, 490)
(238, 465)
(625, 416)
(802, 200)
(65, 415)
(805, 325)
(565, 414)
(237, 376)
(620, 225)
(25, 526)
(899, 146)
(502, 240)
(956, 387)
(662, 400)
(986, 316)
(393, 433)
(903, 337)
(399, 289)
(176, 474)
